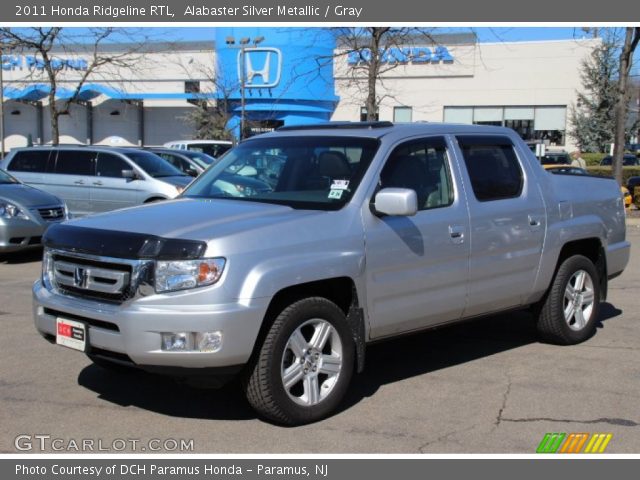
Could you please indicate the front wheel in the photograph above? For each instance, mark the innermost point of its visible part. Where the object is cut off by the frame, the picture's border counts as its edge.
(570, 310)
(305, 364)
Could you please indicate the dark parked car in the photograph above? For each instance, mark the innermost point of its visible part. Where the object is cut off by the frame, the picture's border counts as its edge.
(556, 158)
(628, 161)
(632, 183)
(189, 162)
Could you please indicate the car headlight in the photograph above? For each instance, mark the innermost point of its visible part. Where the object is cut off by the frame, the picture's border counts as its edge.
(9, 210)
(184, 274)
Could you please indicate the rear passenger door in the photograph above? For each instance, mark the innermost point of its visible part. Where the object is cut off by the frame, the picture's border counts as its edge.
(110, 190)
(72, 179)
(417, 266)
(508, 223)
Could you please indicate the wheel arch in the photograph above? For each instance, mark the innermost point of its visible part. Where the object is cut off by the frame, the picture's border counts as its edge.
(340, 290)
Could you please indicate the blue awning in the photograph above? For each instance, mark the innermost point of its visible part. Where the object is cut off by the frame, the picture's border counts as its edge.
(90, 91)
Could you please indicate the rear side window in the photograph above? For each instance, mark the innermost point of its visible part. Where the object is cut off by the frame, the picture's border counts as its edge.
(110, 165)
(75, 162)
(30, 161)
(493, 167)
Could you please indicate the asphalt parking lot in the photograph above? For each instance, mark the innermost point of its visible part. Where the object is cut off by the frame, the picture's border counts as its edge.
(481, 387)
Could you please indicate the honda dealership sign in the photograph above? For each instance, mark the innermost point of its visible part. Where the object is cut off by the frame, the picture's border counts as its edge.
(262, 67)
(414, 55)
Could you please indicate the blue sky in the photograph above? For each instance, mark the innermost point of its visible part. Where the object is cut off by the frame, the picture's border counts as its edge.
(485, 34)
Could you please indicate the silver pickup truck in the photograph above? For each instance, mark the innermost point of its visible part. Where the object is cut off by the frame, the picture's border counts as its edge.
(346, 234)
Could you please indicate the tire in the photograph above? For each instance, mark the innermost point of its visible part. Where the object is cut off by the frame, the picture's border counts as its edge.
(311, 347)
(556, 322)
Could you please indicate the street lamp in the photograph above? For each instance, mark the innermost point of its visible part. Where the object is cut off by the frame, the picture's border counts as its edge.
(244, 41)
(1, 103)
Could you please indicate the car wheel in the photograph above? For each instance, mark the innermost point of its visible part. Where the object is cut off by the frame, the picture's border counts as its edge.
(570, 310)
(305, 364)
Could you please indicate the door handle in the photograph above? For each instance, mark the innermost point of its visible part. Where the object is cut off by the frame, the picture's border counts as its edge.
(98, 183)
(79, 182)
(534, 221)
(456, 232)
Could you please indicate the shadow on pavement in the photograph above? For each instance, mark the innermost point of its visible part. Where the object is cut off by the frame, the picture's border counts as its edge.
(387, 362)
(26, 256)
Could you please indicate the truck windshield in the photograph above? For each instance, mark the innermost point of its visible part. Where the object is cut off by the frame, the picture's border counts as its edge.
(306, 172)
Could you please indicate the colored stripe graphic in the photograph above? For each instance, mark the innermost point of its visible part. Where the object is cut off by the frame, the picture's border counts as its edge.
(550, 443)
(598, 443)
(574, 442)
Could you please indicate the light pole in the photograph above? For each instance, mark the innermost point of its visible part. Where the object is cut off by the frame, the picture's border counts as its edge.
(1, 103)
(244, 41)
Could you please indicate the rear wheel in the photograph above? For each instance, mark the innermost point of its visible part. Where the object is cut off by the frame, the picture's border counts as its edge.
(570, 310)
(305, 364)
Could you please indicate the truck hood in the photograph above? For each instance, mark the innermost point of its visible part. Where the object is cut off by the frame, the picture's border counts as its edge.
(27, 196)
(193, 219)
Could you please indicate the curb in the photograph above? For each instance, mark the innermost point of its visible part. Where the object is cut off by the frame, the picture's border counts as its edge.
(633, 222)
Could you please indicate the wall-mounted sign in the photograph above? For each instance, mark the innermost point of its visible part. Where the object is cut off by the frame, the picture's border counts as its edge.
(262, 67)
(406, 55)
(31, 62)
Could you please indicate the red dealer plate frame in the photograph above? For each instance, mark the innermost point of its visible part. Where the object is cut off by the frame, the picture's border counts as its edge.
(71, 334)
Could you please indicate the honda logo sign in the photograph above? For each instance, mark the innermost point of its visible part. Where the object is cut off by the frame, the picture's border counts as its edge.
(262, 67)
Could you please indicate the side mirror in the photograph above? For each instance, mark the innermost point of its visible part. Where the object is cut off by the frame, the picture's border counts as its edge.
(130, 175)
(192, 172)
(402, 202)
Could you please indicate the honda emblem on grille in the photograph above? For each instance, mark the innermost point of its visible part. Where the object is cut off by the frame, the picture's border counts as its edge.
(80, 277)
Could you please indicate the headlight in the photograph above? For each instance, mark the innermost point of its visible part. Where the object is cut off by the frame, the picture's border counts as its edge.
(9, 210)
(184, 274)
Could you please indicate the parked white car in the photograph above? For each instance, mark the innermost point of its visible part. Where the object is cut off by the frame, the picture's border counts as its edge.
(214, 148)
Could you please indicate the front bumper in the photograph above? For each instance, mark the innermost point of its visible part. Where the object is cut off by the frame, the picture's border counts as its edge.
(18, 234)
(132, 331)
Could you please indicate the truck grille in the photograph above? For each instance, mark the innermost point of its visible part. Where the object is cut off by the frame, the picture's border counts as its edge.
(98, 278)
(51, 214)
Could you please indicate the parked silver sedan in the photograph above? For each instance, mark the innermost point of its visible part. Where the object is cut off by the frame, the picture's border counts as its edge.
(25, 214)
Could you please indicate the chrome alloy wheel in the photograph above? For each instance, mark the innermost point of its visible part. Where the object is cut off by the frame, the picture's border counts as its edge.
(579, 300)
(311, 362)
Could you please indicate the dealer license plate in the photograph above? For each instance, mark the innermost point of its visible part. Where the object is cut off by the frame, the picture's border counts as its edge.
(71, 334)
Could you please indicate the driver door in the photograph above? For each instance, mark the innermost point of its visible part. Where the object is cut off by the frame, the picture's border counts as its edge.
(417, 267)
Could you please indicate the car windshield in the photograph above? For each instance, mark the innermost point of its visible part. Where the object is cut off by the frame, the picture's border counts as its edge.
(214, 150)
(309, 172)
(6, 178)
(154, 165)
(568, 171)
(200, 158)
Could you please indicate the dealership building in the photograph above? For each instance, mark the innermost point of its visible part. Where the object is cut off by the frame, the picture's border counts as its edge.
(292, 75)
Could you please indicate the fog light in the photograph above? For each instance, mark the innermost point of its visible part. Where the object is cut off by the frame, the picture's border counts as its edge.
(209, 341)
(172, 342)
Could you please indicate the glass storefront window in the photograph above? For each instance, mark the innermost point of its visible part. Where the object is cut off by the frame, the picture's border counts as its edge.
(402, 114)
(543, 123)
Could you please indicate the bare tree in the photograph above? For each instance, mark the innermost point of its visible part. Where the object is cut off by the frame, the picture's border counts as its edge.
(372, 52)
(213, 104)
(631, 39)
(45, 44)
